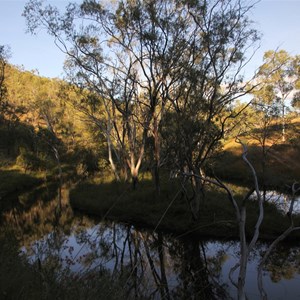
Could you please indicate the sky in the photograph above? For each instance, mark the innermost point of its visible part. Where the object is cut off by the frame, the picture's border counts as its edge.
(277, 20)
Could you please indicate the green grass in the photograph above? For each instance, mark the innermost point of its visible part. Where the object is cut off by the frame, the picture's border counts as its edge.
(168, 212)
(15, 180)
(117, 200)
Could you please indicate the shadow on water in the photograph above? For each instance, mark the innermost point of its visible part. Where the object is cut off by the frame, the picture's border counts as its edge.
(86, 258)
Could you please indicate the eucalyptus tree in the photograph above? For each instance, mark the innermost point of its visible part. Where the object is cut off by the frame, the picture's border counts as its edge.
(145, 59)
(265, 125)
(296, 96)
(123, 52)
(279, 73)
(4, 54)
(211, 82)
(2, 70)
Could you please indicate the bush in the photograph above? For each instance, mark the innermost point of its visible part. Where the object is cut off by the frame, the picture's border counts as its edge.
(28, 160)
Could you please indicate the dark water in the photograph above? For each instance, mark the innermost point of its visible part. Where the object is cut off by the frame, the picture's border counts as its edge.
(157, 265)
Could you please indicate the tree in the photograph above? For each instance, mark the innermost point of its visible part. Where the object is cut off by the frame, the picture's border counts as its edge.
(145, 58)
(296, 97)
(265, 123)
(2, 69)
(247, 244)
(4, 54)
(209, 85)
(278, 73)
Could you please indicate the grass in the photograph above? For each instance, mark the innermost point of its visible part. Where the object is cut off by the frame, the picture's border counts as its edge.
(282, 165)
(117, 200)
(170, 211)
(108, 199)
(15, 180)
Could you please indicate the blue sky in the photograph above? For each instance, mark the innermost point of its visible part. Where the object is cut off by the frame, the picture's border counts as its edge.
(277, 20)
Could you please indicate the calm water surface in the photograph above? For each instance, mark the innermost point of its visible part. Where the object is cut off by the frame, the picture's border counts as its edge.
(162, 266)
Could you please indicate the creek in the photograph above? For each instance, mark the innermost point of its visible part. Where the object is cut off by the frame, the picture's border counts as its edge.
(157, 265)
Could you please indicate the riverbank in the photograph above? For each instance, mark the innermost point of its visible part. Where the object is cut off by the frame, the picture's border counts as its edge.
(281, 164)
(170, 211)
(14, 181)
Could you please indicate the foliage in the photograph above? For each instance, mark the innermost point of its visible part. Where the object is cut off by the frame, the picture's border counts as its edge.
(113, 200)
(152, 86)
(30, 161)
(278, 79)
(4, 53)
(135, 63)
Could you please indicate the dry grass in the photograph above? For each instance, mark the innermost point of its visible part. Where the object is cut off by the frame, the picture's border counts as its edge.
(282, 159)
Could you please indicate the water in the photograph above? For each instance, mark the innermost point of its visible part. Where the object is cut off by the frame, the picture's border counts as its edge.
(281, 200)
(111, 246)
(155, 265)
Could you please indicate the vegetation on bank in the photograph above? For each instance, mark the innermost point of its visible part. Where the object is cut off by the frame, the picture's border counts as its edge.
(171, 212)
(126, 125)
(16, 181)
(282, 166)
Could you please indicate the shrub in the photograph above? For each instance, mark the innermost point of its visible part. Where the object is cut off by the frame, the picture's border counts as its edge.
(28, 160)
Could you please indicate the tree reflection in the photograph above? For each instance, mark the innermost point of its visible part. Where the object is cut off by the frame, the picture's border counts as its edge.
(145, 265)
(37, 214)
(284, 263)
(194, 272)
(121, 261)
(154, 265)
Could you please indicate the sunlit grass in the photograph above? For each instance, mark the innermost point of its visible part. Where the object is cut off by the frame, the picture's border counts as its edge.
(282, 166)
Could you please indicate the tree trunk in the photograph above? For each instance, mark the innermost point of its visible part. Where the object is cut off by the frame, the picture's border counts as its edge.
(198, 194)
(156, 179)
(135, 181)
(283, 122)
(110, 159)
(156, 157)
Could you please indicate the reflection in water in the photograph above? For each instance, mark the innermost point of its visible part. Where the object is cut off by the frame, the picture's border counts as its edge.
(284, 264)
(37, 214)
(282, 201)
(146, 265)
(155, 266)
(195, 279)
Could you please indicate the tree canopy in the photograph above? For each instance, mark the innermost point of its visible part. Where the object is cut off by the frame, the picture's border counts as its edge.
(144, 59)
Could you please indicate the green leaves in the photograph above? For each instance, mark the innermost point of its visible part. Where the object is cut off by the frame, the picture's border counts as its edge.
(142, 59)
